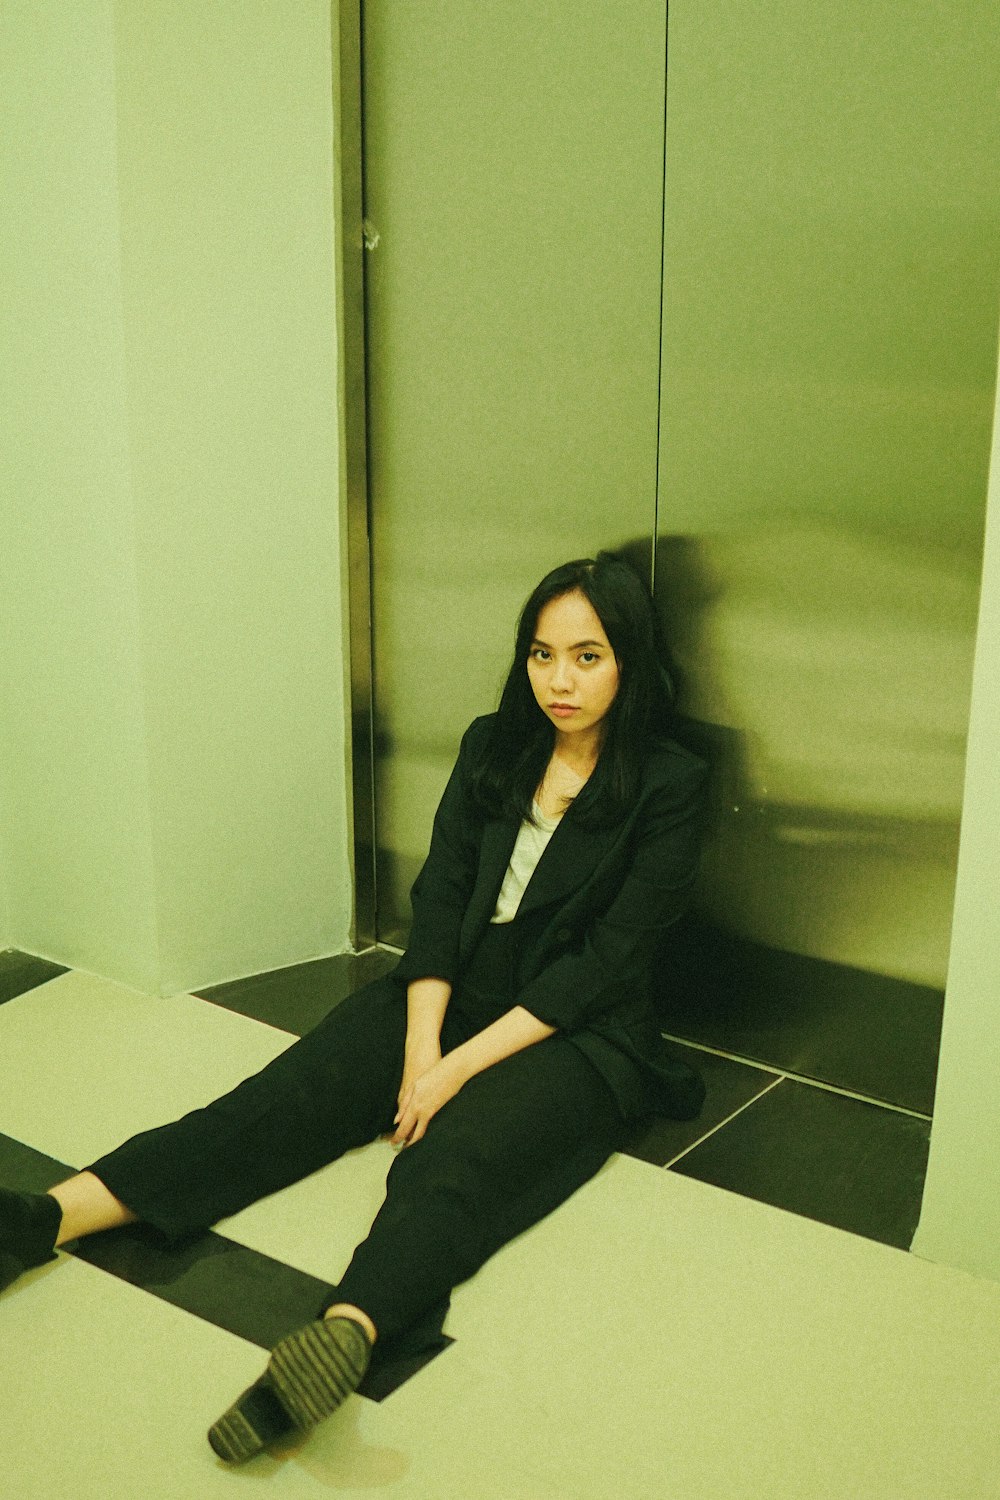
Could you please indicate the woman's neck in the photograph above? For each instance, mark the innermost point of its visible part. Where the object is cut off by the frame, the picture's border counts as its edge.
(578, 752)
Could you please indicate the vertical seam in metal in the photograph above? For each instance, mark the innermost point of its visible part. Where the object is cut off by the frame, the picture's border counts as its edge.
(347, 18)
(372, 933)
(659, 359)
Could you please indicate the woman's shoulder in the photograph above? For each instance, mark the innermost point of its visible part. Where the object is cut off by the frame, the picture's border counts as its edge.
(669, 763)
(481, 724)
(478, 733)
(668, 754)
(473, 748)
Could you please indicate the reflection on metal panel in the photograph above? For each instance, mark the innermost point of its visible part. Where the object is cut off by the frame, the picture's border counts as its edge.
(513, 199)
(843, 662)
(830, 306)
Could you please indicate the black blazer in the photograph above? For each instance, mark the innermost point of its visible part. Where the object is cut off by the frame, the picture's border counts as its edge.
(592, 916)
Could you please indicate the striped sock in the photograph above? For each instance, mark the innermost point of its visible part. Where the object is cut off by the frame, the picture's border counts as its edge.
(312, 1371)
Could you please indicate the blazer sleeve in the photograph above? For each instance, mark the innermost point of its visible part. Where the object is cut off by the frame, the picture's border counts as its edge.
(607, 958)
(441, 891)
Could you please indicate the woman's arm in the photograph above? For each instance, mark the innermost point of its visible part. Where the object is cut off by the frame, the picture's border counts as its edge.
(426, 1002)
(511, 1033)
(441, 892)
(514, 1031)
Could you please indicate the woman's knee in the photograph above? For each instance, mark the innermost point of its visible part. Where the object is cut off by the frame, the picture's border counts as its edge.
(440, 1164)
(364, 1035)
(378, 1007)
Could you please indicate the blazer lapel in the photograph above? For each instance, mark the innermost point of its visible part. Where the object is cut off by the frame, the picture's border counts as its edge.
(568, 860)
(495, 849)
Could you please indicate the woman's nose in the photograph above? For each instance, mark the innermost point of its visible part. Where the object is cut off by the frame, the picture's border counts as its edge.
(562, 678)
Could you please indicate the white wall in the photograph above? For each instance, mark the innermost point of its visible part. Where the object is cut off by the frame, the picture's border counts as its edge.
(960, 1220)
(174, 788)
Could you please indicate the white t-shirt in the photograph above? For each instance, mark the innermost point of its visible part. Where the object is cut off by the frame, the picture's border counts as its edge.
(528, 850)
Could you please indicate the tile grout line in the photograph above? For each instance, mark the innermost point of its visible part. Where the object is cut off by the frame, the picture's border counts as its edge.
(814, 1083)
(715, 1128)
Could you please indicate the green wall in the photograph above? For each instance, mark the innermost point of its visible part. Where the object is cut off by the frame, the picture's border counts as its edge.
(173, 789)
(76, 819)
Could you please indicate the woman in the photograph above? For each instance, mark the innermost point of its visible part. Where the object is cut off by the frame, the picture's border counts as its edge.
(511, 1050)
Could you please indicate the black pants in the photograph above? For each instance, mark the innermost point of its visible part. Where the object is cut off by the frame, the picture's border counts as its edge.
(511, 1145)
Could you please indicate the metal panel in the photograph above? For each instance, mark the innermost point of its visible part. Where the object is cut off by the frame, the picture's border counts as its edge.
(830, 319)
(513, 193)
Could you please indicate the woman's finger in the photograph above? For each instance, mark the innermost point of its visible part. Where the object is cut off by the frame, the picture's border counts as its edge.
(404, 1103)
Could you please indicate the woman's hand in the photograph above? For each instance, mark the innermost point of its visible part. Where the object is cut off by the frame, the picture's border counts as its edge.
(424, 1097)
(421, 1055)
(430, 1080)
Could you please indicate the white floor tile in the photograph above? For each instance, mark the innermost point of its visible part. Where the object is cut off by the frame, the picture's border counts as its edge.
(84, 1063)
(656, 1331)
(315, 1224)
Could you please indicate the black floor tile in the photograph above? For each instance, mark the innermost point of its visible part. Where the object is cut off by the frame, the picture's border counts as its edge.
(227, 1284)
(842, 1161)
(729, 1086)
(247, 1293)
(857, 1030)
(20, 972)
(26, 1170)
(296, 998)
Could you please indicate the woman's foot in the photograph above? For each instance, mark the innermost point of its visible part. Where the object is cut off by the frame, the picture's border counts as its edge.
(308, 1375)
(29, 1226)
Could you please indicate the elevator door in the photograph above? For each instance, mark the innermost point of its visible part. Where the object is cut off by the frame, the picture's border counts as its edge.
(830, 317)
(513, 199)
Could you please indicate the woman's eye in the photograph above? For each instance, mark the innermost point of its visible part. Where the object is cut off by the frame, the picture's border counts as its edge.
(587, 657)
(538, 654)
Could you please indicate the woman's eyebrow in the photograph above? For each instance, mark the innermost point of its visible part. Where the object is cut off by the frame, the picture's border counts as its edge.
(578, 647)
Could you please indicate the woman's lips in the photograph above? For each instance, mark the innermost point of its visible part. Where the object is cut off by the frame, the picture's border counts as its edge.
(562, 710)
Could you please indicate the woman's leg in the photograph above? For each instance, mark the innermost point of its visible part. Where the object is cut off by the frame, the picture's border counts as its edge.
(332, 1090)
(87, 1208)
(514, 1143)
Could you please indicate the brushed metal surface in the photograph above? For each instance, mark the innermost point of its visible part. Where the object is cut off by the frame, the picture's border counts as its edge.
(513, 199)
(829, 353)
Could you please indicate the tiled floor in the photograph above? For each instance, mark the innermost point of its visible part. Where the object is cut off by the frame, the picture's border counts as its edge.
(855, 1163)
(699, 1331)
(868, 1033)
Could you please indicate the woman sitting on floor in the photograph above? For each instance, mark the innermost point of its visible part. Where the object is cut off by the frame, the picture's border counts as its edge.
(510, 1052)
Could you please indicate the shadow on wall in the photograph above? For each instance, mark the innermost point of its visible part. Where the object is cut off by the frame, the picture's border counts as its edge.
(826, 671)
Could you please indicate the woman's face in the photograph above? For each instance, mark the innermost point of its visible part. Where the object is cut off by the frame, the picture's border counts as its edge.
(571, 667)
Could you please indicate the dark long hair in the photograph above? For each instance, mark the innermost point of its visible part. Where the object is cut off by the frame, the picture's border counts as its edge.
(507, 777)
